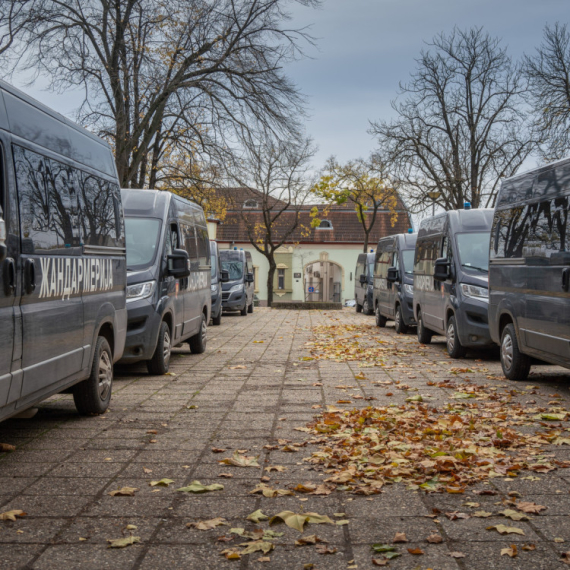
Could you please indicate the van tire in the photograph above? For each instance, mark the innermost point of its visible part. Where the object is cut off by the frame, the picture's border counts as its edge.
(92, 396)
(160, 361)
(454, 347)
(243, 312)
(424, 335)
(199, 341)
(381, 320)
(399, 325)
(217, 320)
(250, 308)
(358, 307)
(519, 365)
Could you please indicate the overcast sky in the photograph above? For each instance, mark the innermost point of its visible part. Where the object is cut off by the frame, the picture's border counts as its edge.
(365, 47)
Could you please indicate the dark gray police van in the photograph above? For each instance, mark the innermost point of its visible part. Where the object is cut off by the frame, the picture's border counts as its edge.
(218, 276)
(363, 283)
(168, 277)
(62, 269)
(394, 281)
(237, 292)
(529, 278)
(451, 265)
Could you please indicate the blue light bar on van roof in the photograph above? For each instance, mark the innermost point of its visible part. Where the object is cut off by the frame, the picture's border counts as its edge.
(235, 248)
(410, 230)
(467, 206)
(371, 251)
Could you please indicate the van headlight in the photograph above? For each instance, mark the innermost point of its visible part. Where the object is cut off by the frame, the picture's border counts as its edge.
(409, 289)
(237, 288)
(140, 291)
(481, 293)
(214, 288)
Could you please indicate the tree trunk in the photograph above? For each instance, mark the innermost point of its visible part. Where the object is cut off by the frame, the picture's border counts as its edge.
(365, 246)
(270, 278)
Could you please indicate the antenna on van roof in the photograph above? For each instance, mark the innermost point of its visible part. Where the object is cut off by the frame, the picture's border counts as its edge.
(467, 206)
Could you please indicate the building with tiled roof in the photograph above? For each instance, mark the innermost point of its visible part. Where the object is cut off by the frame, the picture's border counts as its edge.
(329, 251)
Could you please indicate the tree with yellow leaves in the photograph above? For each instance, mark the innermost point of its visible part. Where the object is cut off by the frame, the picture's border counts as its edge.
(362, 183)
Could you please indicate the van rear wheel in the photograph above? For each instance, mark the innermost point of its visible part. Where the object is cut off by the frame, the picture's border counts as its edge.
(160, 361)
(454, 347)
(92, 396)
(399, 325)
(380, 319)
(198, 341)
(217, 320)
(243, 312)
(424, 335)
(250, 308)
(358, 307)
(515, 364)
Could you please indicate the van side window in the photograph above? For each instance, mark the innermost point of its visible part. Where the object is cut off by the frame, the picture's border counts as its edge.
(396, 260)
(444, 247)
(203, 240)
(38, 229)
(172, 239)
(384, 263)
(189, 237)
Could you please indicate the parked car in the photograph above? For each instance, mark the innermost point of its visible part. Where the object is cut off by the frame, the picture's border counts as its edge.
(529, 278)
(394, 281)
(451, 279)
(168, 277)
(62, 268)
(363, 283)
(237, 292)
(218, 276)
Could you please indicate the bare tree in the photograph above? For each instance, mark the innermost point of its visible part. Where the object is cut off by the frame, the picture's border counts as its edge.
(276, 173)
(157, 70)
(548, 74)
(460, 126)
(14, 16)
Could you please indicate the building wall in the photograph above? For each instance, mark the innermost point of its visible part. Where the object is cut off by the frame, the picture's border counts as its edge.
(294, 260)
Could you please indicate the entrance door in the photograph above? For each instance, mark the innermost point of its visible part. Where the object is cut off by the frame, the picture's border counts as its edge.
(323, 282)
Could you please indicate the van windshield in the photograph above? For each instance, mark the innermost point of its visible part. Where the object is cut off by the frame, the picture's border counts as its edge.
(474, 251)
(234, 268)
(408, 258)
(142, 241)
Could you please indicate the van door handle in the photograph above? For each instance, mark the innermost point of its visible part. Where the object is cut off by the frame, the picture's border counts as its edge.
(9, 277)
(29, 276)
(566, 279)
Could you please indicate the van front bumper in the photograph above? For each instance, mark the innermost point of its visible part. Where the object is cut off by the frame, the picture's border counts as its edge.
(143, 325)
(408, 311)
(233, 301)
(473, 323)
(216, 304)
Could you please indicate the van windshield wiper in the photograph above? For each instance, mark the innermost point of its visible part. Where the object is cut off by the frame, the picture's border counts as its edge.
(475, 267)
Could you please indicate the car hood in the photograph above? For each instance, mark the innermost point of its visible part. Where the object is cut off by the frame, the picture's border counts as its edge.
(473, 279)
(227, 286)
(139, 276)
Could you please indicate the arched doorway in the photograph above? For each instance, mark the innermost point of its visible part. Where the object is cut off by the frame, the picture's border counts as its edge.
(323, 281)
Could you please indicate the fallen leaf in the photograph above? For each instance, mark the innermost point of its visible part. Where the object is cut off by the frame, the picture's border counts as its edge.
(323, 549)
(146, 470)
(416, 551)
(482, 514)
(269, 492)
(152, 431)
(124, 492)
(218, 450)
(309, 539)
(226, 475)
(278, 468)
(240, 461)
(383, 547)
(342, 523)
(207, 524)
(11, 515)
(510, 551)
(503, 529)
(298, 520)
(231, 553)
(238, 367)
(197, 487)
(528, 507)
(122, 542)
(435, 538)
(529, 547)
(457, 555)
(7, 447)
(161, 483)
(400, 537)
(513, 515)
(257, 516)
(380, 561)
(559, 540)
(257, 546)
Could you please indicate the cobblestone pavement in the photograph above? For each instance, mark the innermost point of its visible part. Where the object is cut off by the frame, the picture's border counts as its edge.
(249, 389)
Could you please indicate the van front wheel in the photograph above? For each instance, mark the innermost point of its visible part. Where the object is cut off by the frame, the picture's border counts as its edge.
(380, 319)
(92, 396)
(250, 308)
(198, 341)
(454, 347)
(217, 320)
(515, 364)
(399, 325)
(160, 361)
(424, 335)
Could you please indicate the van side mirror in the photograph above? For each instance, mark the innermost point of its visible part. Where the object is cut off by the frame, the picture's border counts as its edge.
(3, 247)
(393, 275)
(179, 263)
(249, 277)
(441, 269)
(362, 279)
(224, 275)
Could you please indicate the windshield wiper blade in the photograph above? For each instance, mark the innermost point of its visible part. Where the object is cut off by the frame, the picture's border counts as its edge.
(475, 267)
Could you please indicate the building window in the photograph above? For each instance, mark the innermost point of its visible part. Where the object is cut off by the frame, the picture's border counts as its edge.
(250, 204)
(325, 225)
(281, 279)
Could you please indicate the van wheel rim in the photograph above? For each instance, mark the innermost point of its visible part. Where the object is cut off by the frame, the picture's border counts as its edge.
(105, 375)
(204, 330)
(507, 351)
(397, 321)
(166, 347)
(365, 307)
(450, 336)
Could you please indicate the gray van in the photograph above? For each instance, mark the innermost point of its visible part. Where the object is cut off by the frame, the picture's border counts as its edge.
(529, 278)
(394, 281)
(62, 267)
(363, 283)
(237, 292)
(451, 279)
(168, 277)
(218, 276)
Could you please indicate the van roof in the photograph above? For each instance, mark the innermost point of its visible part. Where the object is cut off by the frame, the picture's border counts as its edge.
(154, 203)
(477, 220)
(25, 117)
